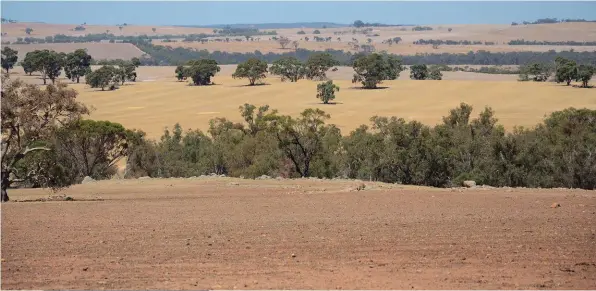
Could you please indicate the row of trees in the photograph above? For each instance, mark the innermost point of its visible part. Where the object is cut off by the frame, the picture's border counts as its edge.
(50, 63)
(551, 21)
(46, 143)
(545, 42)
(162, 56)
(451, 42)
(111, 76)
(565, 71)
(75, 65)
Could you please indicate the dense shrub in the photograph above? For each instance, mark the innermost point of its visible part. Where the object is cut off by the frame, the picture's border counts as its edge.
(556, 153)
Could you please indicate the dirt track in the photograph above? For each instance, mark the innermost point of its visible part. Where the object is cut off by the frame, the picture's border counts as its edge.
(303, 234)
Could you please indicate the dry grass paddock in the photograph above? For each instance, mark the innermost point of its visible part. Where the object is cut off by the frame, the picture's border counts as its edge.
(158, 100)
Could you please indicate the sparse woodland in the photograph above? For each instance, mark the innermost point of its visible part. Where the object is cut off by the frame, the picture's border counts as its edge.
(46, 143)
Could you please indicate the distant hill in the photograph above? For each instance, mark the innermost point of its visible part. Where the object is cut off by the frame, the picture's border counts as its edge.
(273, 25)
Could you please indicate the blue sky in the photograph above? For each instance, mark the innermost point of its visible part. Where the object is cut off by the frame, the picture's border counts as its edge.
(205, 13)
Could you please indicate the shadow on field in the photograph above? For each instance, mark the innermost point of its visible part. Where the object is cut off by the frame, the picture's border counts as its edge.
(255, 85)
(362, 88)
(321, 103)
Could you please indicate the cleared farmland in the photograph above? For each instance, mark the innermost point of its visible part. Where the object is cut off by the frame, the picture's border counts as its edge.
(227, 233)
(500, 34)
(405, 48)
(99, 51)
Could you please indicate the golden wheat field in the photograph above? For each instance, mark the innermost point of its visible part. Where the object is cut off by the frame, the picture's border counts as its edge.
(151, 106)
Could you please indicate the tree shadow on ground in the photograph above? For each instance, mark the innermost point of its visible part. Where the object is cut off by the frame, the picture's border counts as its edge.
(255, 85)
(362, 88)
(330, 103)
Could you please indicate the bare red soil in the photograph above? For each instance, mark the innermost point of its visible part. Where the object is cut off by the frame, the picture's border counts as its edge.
(300, 234)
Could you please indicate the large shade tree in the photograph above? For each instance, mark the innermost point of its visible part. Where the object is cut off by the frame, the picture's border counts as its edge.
(30, 116)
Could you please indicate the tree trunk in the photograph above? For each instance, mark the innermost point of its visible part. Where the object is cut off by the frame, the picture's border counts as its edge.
(4, 197)
(44, 81)
(568, 82)
(5, 184)
(78, 79)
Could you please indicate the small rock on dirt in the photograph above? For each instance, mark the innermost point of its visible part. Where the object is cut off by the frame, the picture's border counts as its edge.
(469, 183)
(264, 177)
(555, 205)
(293, 255)
(86, 268)
(87, 180)
(144, 178)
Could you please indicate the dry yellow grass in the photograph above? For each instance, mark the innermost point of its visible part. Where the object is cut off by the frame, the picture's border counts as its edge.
(151, 106)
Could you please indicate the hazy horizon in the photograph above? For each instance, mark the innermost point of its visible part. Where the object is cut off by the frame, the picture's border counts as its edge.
(219, 13)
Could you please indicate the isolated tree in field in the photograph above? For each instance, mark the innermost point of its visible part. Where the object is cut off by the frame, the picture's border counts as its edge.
(318, 64)
(316, 31)
(201, 71)
(449, 29)
(418, 72)
(9, 58)
(92, 147)
(120, 27)
(584, 74)
(103, 77)
(288, 68)
(326, 91)
(295, 44)
(77, 65)
(371, 70)
(30, 116)
(28, 30)
(180, 73)
(566, 70)
(253, 69)
(154, 29)
(283, 41)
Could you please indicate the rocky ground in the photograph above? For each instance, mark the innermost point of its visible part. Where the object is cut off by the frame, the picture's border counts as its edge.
(225, 233)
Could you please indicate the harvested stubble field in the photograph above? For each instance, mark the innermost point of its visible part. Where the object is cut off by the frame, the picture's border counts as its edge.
(159, 101)
(223, 233)
(99, 51)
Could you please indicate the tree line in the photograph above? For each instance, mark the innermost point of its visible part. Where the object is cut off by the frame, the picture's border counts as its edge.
(167, 56)
(551, 21)
(545, 42)
(46, 143)
(451, 42)
(564, 70)
(76, 65)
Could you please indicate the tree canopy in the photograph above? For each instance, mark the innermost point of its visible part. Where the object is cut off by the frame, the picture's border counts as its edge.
(253, 69)
(9, 58)
(30, 116)
(77, 64)
(371, 70)
(288, 68)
